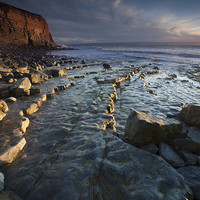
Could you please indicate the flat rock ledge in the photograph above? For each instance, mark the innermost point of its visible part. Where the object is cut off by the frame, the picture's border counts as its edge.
(102, 167)
(12, 140)
(14, 125)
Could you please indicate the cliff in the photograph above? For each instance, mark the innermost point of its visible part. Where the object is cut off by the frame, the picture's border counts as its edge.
(20, 27)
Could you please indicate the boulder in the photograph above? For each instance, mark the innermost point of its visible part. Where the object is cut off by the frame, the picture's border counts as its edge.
(143, 129)
(31, 109)
(11, 100)
(107, 66)
(58, 72)
(186, 144)
(168, 154)
(23, 83)
(3, 106)
(1, 182)
(191, 115)
(189, 158)
(191, 143)
(151, 148)
(36, 78)
(192, 176)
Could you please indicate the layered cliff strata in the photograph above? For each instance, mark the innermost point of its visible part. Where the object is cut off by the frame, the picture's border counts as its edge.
(20, 27)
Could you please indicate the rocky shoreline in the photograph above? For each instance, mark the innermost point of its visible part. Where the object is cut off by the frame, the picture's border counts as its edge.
(21, 70)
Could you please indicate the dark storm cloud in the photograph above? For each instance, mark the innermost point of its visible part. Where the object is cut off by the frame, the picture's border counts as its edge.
(74, 21)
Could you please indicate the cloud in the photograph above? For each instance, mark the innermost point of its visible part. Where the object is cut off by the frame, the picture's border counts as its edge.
(116, 3)
(73, 40)
(74, 21)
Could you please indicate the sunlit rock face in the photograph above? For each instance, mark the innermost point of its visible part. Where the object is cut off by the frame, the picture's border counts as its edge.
(20, 27)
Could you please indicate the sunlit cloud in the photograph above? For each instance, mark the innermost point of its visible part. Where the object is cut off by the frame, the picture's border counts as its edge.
(116, 3)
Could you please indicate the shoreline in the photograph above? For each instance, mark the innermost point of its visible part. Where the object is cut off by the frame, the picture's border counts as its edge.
(56, 70)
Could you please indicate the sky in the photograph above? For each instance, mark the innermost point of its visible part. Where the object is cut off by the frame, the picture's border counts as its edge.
(102, 21)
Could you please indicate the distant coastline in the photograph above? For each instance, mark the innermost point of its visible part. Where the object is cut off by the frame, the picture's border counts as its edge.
(139, 44)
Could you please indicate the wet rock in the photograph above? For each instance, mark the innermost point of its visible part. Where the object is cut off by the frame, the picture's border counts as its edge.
(34, 91)
(189, 158)
(36, 78)
(21, 69)
(20, 92)
(105, 81)
(5, 93)
(3, 109)
(9, 195)
(156, 68)
(181, 105)
(117, 84)
(191, 115)
(50, 94)
(24, 124)
(8, 75)
(2, 115)
(151, 148)
(152, 92)
(110, 124)
(10, 153)
(23, 83)
(11, 80)
(168, 154)
(192, 176)
(83, 61)
(113, 96)
(43, 98)
(31, 109)
(194, 134)
(3, 106)
(143, 129)
(1, 182)
(173, 76)
(186, 144)
(107, 66)
(111, 107)
(59, 72)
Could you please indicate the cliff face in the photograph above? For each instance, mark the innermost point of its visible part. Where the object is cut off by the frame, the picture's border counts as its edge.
(20, 27)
